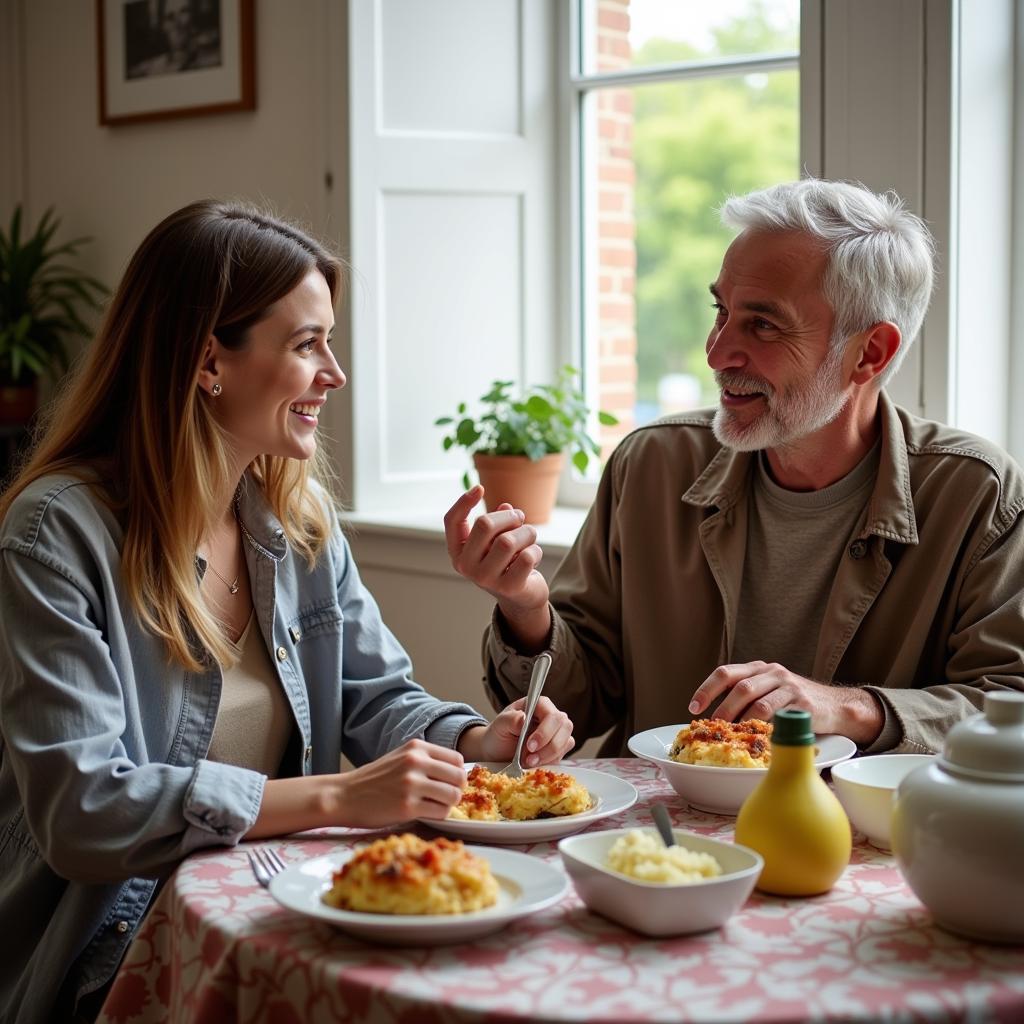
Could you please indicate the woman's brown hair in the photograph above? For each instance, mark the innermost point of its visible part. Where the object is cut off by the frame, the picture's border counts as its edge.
(133, 418)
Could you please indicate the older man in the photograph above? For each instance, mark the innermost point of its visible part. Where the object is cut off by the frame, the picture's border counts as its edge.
(808, 543)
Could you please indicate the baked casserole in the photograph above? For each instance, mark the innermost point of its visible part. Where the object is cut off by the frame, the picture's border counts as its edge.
(404, 874)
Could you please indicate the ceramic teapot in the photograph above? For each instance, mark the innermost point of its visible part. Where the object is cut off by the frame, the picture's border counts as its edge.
(958, 825)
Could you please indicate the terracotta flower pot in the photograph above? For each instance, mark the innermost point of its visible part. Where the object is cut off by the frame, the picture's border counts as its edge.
(524, 484)
(18, 403)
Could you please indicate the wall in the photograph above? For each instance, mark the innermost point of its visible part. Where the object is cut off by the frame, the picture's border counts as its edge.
(439, 616)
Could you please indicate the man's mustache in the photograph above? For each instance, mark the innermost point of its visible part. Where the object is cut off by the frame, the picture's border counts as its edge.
(732, 381)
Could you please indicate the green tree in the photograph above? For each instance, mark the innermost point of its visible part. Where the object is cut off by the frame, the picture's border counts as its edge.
(695, 143)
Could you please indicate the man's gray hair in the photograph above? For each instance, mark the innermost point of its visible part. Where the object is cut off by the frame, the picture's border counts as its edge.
(880, 255)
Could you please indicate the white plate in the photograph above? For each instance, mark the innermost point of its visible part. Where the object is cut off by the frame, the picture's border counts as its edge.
(610, 795)
(721, 790)
(525, 885)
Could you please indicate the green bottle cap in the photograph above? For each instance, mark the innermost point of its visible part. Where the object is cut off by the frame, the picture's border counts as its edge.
(792, 728)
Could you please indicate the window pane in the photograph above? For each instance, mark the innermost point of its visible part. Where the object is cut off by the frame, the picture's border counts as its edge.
(658, 160)
(619, 34)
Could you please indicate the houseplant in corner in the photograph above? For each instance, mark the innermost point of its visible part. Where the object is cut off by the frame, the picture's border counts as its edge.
(518, 444)
(40, 297)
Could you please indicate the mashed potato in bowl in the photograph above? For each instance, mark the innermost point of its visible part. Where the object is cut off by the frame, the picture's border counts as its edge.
(711, 741)
(641, 854)
(404, 874)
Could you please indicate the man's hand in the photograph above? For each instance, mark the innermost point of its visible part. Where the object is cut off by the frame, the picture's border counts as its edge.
(549, 740)
(758, 690)
(500, 554)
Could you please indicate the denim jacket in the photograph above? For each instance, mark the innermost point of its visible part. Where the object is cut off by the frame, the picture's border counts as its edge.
(104, 782)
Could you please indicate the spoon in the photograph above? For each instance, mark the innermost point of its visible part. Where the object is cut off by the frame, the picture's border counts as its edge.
(661, 819)
(541, 664)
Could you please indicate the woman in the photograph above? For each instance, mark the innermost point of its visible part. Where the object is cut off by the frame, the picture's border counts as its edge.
(185, 645)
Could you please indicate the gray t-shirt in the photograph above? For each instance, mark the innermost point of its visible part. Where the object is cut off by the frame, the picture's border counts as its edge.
(795, 540)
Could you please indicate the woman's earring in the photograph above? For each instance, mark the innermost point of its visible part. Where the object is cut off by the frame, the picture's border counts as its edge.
(216, 390)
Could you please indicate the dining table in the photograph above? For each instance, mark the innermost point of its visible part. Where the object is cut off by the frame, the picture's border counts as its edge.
(216, 947)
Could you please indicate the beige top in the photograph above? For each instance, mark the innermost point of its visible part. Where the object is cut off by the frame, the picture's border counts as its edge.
(925, 607)
(254, 720)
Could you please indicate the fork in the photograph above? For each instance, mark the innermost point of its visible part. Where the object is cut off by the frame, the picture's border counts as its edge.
(541, 664)
(265, 863)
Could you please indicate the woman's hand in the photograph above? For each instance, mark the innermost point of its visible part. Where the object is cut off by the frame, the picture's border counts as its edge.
(417, 780)
(550, 738)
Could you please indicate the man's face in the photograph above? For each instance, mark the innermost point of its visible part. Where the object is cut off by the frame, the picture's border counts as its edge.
(778, 377)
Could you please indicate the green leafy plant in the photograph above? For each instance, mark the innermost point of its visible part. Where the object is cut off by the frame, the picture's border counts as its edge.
(39, 300)
(548, 418)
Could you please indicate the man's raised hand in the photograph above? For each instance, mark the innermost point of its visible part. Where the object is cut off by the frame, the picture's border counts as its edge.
(500, 554)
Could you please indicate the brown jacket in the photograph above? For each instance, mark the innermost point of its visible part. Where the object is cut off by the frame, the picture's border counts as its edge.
(927, 608)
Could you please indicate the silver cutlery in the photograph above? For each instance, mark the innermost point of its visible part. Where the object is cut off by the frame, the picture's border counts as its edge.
(664, 823)
(265, 863)
(541, 664)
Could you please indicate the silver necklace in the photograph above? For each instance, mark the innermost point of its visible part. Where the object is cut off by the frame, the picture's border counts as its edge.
(232, 587)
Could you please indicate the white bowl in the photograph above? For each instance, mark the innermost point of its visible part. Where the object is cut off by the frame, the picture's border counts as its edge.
(866, 788)
(721, 790)
(652, 908)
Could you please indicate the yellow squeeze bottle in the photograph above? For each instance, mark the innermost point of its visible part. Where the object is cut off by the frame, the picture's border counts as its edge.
(792, 818)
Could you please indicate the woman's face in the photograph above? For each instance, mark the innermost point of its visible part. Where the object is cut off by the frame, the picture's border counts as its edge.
(274, 387)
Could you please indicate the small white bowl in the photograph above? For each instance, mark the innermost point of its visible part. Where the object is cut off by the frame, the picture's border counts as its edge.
(721, 790)
(866, 787)
(649, 907)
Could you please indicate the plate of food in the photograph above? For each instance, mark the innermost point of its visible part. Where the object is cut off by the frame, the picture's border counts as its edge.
(546, 803)
(405, 890)
(714, 765)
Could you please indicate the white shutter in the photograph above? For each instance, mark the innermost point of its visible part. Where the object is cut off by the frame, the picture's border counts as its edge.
(452, 178)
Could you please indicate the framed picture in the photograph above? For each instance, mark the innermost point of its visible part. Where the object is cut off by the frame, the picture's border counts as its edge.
(174, 58)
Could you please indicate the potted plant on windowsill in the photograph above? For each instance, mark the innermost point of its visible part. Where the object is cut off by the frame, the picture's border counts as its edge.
(518, 444)
(39, 307)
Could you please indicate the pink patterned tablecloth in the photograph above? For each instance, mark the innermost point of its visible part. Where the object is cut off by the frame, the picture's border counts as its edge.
(216, 947)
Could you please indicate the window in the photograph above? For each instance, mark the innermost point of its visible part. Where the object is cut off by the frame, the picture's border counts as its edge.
(533, 183)
(675, 107)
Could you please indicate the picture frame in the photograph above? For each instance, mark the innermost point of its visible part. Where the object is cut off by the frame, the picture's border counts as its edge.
(163, 59)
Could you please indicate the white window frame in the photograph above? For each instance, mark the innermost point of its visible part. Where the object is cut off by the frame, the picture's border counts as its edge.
(1016, 375)
(969, 357)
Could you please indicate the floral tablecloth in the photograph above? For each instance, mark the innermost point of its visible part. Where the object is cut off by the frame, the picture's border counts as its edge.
(216, 948)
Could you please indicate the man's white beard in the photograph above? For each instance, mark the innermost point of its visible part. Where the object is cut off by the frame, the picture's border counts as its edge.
(799, 411)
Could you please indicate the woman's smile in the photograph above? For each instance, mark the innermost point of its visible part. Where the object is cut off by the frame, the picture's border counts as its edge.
(307, 412)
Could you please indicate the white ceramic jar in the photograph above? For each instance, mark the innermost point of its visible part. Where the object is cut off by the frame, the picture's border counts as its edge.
(958, 825)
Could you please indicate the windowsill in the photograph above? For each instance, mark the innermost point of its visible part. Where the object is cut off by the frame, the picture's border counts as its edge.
(555, 536)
